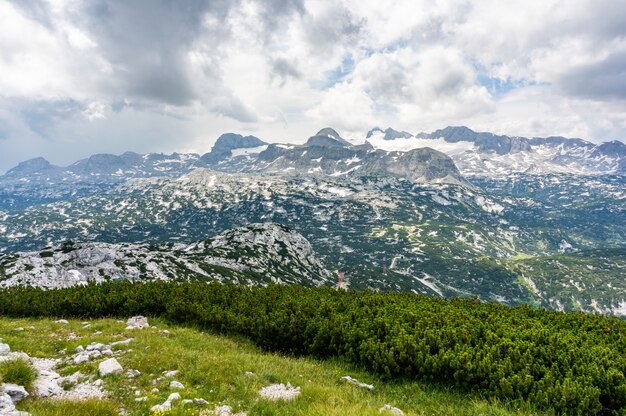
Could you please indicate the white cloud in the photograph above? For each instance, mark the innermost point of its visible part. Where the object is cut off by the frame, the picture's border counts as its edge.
(96, 71)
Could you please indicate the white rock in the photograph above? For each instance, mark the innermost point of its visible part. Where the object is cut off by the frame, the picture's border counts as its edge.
(390, 409)
(19, 328)
(137, 322)
(176, 385)
(6, 404)
(123, 342)
(171, 373)
(141, 399)
(154, 390)
(166, 406)
(4, 349)
(81, 358)
(17, 393)
(62, 321)
(279, 392)
(187, 401)
(133, 373)
(173, 397)
(225, 411)
(109, 366)
(200, 402)
(80, 348)
(357, 382)
(95, 347)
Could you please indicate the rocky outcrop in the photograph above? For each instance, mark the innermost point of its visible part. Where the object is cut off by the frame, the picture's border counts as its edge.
(255, 254)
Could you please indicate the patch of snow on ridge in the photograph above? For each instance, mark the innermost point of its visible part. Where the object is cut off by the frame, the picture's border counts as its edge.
(404, 145)
(245, 151)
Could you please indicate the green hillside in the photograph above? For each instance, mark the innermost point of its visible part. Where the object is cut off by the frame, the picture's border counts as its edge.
(217, 368)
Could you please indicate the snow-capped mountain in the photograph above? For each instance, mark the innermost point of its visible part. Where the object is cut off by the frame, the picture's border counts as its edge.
(481, 153)
(252, 255)
(325, 153)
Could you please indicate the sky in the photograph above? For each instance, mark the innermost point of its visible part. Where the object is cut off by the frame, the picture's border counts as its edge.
(109, 76)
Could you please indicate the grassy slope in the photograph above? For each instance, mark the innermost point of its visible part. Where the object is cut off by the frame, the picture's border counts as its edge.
(213, 367)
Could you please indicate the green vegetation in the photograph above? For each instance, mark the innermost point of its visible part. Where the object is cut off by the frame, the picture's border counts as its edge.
(91, 407)
(569, 362)
(18, 371)
(214, 367)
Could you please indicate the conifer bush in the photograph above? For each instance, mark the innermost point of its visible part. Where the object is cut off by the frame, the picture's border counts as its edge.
(572, 363)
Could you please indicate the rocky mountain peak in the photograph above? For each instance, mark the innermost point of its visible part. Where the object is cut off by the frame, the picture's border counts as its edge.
(29, 167)
(389, 133)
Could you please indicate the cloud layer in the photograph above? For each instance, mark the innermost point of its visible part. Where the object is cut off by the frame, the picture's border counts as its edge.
(157, 75)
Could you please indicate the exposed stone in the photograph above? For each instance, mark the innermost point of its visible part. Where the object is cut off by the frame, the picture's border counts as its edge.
(223, 411)
(173, 397)
(166, 405)
(17, 393)
(6, 404)
(171, 373)
(80, 358)
(137, 322)
(109, 366)
(123, 342)
(62, 321)
(200, 402)
(133, 373)
(390, 409)
(4, 349)
(176, 385)
(279, 392)
(357, 382)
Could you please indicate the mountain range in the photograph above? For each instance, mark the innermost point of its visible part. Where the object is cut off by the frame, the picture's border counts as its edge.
(527, 223)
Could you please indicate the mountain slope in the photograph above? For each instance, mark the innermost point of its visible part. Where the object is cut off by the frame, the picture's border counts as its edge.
(254, 254)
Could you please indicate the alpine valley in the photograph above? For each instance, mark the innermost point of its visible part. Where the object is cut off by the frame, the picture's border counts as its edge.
(455, 212)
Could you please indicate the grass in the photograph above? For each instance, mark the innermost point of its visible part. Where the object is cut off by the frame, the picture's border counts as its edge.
(214, 368)
(18, 371)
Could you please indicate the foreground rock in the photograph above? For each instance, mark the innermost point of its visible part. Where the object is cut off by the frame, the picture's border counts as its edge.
(137, 322)
(49, 383)
(166, 405)
(390, 409)
(356, 382)
(109, 367)
(4, 349)
(17, 393)
(7, 408)
(279, 392)
(222, 411)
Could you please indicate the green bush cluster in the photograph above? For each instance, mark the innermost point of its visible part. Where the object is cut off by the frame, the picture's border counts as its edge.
(569, 362)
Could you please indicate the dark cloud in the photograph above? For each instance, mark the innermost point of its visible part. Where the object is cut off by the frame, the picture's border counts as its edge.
(603, 80)
(232, 107)
(42, 116)
(336, 26)
(282, 70)
(147, 42)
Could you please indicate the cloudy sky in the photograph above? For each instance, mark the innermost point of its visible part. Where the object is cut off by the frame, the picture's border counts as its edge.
(83, 77)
